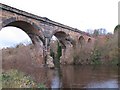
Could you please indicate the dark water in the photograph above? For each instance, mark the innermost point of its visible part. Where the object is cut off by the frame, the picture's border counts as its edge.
(70, 76)
(85, 77)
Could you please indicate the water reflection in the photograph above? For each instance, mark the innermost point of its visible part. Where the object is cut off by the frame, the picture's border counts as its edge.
(70, 76)
(103, 84)
(86, 77)
(56, 82)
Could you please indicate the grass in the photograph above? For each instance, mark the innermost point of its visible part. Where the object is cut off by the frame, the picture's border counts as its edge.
(16, 79)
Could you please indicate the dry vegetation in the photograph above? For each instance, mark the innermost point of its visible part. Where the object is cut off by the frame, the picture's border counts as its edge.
(17, 60)
(16, 79)
(104, 51)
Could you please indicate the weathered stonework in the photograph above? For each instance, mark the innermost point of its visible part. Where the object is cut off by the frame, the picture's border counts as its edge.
(42, 29)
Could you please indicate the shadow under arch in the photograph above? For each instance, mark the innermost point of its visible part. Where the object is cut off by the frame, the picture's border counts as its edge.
(30, 28)
(67, 44)
(81, 41)
(58, 50)
(89, 40)
(117, 29)
(61, 36)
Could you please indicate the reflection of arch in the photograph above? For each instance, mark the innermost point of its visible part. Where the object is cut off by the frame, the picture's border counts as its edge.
(89, 40)
(27, 26)
(81, 40)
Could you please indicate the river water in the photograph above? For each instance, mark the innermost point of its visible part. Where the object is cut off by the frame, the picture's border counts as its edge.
(85, 77)
(70, 76)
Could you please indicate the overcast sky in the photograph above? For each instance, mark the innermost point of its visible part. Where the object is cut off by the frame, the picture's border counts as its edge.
(81, 14)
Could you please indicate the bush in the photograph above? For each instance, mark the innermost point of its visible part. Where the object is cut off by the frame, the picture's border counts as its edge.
(16, 79)
(95, 58)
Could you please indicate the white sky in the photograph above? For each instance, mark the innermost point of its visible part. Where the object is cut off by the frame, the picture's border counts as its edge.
(11, 36)
(81, 14)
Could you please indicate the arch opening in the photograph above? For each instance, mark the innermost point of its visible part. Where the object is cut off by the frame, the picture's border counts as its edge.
(55, 50)
(31, 30)
(81, 41)
(12, 37)
(57, 44)
(34, 36)
(89, 40)
(61, 38)
(64, 44)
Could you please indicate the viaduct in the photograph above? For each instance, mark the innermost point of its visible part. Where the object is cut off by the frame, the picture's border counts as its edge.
(41, 29)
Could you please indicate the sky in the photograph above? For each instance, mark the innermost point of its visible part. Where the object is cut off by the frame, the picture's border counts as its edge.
(9, 37)
(80, 14)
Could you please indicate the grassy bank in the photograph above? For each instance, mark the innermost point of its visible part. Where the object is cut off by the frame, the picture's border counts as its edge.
(16, 79)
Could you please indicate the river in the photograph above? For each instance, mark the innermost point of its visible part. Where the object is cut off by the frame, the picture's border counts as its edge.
(71, 76)
(85, 77)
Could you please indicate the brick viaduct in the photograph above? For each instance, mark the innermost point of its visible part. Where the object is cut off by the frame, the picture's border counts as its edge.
(42, 29)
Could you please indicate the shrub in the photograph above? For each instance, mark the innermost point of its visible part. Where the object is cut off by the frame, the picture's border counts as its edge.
(95, 58)
(16, 79)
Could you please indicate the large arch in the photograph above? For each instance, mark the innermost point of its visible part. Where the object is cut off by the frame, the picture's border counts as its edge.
(61, 36)
(66, 43)
(11, 37)
(30, 28)
(60, 41)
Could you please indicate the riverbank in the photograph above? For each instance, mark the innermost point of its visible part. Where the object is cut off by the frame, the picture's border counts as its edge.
(16, 79)
(24, 60)
(67, 76)
(26, 56)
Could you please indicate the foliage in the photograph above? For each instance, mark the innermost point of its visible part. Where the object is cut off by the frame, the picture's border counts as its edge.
(59, 51)
(15, 79)
(75, 59)
(56, 54)
(95, 58)
(52, 54)
(96, 33)
(82, 55)
(105, 49)
(108, 50)
(42, 86)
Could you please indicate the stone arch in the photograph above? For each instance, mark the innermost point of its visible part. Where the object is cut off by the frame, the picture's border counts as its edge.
(117, 29)
(33, 31)
(64, 38)
(66, 46)
(30, 28)
(81, 41)
(58, 44)
(61, 36)
(89, 40)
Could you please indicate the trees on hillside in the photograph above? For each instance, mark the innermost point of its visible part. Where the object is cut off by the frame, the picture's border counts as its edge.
(96, 32)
